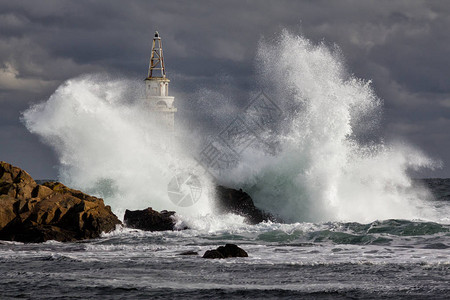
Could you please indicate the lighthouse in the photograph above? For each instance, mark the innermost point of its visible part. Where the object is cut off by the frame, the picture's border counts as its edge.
(157, 89)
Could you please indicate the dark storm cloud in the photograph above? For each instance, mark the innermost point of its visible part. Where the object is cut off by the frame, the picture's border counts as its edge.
(402, 46)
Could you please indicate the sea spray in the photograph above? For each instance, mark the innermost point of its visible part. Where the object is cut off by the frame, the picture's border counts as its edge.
(326, 168)
(108, 145)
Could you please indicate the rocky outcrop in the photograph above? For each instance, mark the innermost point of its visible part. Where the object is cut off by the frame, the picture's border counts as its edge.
(229, 250)
(239, 202)
(150, 220)
(30, 212)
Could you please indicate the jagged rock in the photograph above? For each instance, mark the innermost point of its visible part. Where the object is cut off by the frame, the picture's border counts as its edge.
(149, 219)
(230, 250)
(7, 213)
(36, 213)
(238, 202)
(15, 183)
(41, 191)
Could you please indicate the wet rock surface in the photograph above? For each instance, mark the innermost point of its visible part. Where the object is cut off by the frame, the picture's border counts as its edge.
(30, 212)
(150, 220)
(227, 251)
(239, 202)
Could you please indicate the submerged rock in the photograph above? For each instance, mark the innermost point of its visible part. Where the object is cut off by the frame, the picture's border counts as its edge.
(229, 250)
(30, 212)
(239, 202)
(190, 252)
(150, 220)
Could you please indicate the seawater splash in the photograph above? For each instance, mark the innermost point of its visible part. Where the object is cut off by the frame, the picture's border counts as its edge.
(325, 169)
(107, 144)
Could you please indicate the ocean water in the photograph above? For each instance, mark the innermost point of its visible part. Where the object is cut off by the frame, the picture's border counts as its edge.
(389, 259)
(356, 225)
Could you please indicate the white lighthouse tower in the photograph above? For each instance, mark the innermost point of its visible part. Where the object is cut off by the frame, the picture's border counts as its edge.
(157, 89)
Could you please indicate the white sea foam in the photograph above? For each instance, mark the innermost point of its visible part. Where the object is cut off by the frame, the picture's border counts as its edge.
(328, 165)
(326, 168)
(108, 145)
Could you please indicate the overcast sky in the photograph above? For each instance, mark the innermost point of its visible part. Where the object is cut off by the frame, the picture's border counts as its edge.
(402, 46)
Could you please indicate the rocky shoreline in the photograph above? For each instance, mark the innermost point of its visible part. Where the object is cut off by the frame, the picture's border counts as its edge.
(30, 212)
(33, 213)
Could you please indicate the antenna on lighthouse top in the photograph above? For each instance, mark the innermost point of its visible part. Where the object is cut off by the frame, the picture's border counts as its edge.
(156, 68)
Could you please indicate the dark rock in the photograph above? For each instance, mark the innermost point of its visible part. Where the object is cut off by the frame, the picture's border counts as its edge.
(213, 254)
(36, 213)
(229, 250)
(150, 220)
(239, 202)
(189, 253)
(232, 250)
